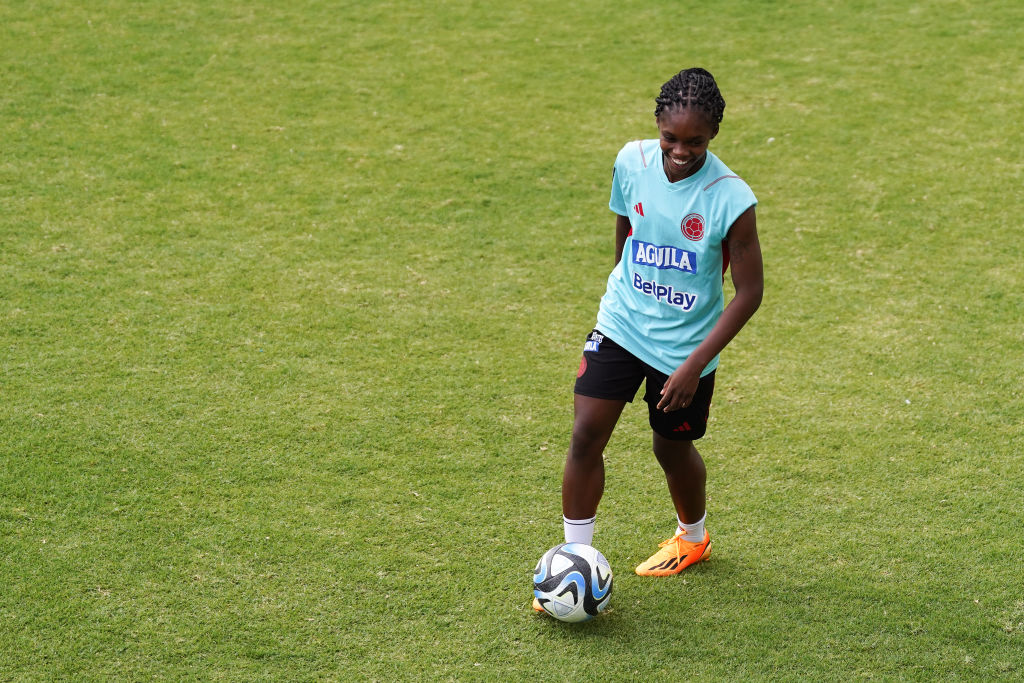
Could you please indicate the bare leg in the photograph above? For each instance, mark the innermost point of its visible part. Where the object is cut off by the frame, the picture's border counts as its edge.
(583, 478)
(686, 476)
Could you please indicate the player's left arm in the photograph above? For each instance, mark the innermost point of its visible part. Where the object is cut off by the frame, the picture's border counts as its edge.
(748, 280)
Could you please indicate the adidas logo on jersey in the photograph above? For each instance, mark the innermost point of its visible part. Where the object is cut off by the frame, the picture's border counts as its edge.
(639, 208)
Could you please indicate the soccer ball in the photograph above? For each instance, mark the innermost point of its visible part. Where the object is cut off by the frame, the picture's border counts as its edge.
(573, 582)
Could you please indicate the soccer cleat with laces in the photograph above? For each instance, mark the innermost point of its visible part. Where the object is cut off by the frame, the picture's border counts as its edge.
(675, 555)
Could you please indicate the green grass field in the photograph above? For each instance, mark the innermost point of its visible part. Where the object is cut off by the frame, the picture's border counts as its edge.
(293, 296)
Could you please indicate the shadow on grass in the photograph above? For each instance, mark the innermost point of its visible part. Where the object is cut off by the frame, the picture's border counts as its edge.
(639, 605)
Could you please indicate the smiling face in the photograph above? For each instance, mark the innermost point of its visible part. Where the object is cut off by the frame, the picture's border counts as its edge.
(685, 135)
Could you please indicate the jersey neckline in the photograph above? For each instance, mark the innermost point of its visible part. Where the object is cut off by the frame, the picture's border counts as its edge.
(687, 182)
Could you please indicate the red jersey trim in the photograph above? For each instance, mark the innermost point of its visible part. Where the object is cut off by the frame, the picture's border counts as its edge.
(706, 187)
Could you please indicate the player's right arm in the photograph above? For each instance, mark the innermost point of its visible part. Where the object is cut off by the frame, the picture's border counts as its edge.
(622, 228)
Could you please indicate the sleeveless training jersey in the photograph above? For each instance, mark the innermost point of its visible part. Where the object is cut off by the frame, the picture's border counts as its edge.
(665, 294)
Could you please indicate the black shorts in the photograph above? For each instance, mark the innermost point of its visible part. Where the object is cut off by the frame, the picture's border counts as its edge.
(611, 372)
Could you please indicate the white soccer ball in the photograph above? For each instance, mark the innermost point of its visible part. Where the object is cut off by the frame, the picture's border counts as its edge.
(573, 582)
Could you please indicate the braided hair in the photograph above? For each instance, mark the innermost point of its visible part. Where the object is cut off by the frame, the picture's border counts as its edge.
(694, 88)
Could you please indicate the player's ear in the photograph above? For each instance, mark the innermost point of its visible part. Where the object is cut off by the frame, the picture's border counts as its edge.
(714, 133)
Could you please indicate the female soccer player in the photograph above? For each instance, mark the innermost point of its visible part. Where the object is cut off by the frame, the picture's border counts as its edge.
(682, 219)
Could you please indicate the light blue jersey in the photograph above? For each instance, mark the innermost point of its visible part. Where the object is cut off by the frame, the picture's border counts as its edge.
(665, 294)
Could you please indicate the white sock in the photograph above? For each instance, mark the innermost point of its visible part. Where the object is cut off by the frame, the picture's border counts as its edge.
(694, 533)
(578, 530)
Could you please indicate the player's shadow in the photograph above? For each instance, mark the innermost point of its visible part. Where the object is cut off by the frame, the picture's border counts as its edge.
(630, 615)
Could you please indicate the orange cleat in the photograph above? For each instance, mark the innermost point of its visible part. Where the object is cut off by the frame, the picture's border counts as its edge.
(536, 605)
(675, 555)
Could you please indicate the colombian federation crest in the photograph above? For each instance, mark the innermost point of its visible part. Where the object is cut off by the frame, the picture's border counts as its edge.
(693, 227)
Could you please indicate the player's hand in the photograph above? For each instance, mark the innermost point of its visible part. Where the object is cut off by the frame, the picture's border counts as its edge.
(679, 388)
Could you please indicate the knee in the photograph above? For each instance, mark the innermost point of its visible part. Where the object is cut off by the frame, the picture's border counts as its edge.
(588, 440)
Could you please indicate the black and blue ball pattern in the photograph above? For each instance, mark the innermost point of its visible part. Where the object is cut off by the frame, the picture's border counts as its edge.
(573, 582)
